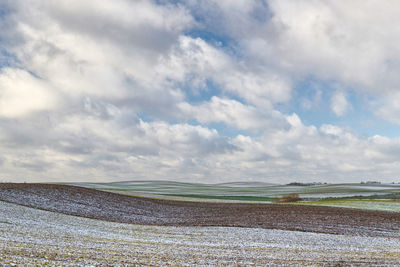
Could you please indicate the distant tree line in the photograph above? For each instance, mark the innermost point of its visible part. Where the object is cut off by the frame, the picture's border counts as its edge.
(305, 184)
(370, 182)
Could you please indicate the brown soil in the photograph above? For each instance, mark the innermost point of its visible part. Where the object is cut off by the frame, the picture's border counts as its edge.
(108, 206)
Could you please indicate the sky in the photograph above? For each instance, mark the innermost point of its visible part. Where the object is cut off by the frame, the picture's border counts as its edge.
(200, 90)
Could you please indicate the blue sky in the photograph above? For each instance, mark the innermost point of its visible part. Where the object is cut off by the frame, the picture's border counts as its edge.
(312, 102)
(200, 91)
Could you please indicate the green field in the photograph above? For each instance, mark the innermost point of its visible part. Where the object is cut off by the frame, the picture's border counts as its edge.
(355, 195)
(248, 189)
(245, 198)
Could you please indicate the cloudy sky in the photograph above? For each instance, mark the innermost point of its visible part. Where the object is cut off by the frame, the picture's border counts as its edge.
(200, 91)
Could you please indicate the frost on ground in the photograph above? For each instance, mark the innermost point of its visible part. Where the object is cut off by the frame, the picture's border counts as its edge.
(90, 203)
(383, 205)
(35, 237)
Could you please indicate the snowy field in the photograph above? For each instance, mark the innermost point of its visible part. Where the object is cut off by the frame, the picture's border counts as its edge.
(35, 237)
(384, 205)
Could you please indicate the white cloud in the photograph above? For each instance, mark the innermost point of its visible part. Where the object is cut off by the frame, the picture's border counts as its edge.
(307, 153)
(388, 108)
(351, 43)
(339, 103)
(22, 94)
(233, 113)
(324, 38)
(196, 61)
(101, 90)
(77, 50)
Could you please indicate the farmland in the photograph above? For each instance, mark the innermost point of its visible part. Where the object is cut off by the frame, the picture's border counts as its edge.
(385, 197)
(67, 225)
(365, 204)
(245, 189)
(36, 237)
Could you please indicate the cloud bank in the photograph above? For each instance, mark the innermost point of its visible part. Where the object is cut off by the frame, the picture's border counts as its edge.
(206, 91)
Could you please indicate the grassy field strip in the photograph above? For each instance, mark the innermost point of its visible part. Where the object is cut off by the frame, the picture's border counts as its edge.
(384, 205)
(34, 237)
(239, 191)
(370, 204)
(201, 198)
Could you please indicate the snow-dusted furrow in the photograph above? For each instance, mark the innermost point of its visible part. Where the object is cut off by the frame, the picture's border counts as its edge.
(108, 206)
(35, 237)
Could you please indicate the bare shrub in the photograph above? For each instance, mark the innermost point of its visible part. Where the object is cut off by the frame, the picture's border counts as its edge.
(276, 199)
(293, 197)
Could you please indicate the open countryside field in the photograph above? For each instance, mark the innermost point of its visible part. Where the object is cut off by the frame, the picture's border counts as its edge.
(35, 237)
(385, 197)
(373, 204)
(249, 189)
(67, 225)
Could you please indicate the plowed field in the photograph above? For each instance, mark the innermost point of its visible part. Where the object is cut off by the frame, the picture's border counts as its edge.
(107, 206)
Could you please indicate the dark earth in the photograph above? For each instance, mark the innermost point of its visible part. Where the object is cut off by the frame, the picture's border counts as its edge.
(114, 207)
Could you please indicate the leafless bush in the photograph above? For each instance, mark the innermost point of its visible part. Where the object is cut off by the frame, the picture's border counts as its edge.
(293, 197)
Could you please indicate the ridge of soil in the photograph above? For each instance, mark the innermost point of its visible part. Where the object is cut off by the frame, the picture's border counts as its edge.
(95, 204)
